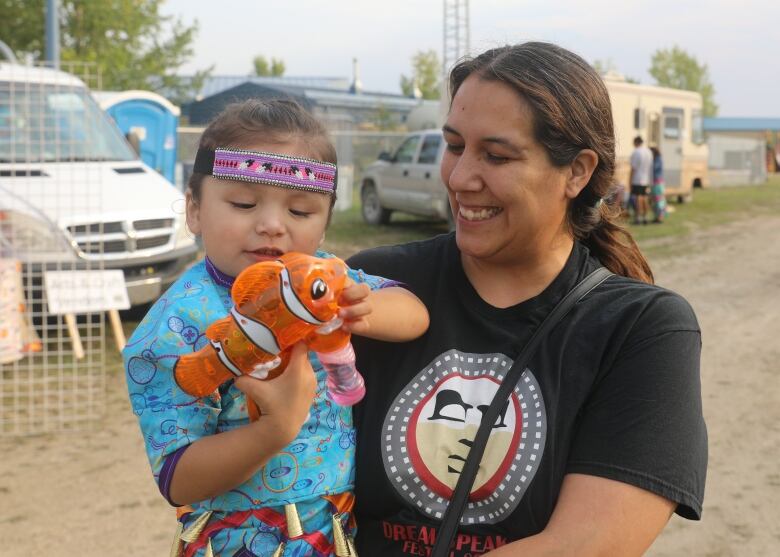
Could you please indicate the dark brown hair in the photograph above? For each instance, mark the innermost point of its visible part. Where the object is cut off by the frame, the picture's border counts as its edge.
(572, 112)
(246, 123)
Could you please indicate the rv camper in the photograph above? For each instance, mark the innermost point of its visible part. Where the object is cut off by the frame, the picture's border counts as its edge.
(670, 119)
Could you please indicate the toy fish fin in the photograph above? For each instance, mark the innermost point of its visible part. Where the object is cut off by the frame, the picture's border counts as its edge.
(219, 329)
(254, 280)
(200, 374)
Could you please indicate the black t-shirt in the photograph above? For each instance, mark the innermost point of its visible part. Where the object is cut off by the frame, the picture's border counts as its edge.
(613, 391)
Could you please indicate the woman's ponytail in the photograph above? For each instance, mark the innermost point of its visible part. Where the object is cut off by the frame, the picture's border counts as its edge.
(613, 245)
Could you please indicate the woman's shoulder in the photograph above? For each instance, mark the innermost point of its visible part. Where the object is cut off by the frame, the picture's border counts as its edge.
(643, 305)
(389, 257)
(411, 263)
(625, 299)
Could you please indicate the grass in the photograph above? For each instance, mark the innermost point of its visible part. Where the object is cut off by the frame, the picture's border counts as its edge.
(709, 208)
(348, 233)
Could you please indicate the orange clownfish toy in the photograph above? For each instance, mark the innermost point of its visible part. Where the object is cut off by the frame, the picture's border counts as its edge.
(276, 304)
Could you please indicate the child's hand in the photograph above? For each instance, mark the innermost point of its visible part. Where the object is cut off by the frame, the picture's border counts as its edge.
(355, 308)
(287, 398)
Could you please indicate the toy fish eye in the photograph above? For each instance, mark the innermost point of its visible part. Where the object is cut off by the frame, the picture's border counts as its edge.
(318, 289)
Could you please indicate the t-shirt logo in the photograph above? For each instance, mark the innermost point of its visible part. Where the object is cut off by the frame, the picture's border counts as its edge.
(433, 421)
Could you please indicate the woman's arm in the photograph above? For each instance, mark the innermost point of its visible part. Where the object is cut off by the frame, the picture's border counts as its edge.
(643, 421)
(596, 516)
(390, 314)
(218, 463)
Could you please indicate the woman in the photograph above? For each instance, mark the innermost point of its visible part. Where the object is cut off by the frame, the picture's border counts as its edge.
(603, 437)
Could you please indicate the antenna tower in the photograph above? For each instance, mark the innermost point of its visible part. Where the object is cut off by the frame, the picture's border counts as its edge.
(456, 32)
(455, 44)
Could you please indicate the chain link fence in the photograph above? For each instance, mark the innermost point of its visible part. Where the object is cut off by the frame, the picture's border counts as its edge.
(355, 150)
(52, 367)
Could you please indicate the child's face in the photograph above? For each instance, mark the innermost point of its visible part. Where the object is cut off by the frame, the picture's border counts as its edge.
(242, 223)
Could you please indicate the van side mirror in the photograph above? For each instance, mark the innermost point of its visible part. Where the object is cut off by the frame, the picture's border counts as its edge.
(385, 156)
(134, 140)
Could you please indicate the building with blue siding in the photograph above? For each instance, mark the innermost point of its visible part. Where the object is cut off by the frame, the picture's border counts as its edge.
(742, 150)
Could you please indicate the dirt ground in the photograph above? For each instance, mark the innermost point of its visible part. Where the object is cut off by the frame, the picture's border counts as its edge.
(91, 494)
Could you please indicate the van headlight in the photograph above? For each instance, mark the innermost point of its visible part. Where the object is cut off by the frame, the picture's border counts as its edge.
(25, 237)
(184, 238)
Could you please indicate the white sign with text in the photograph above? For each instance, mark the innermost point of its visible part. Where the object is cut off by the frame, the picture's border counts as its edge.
(85, 291)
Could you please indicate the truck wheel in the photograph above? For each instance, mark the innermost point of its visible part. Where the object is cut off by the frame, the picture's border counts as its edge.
(370, 207)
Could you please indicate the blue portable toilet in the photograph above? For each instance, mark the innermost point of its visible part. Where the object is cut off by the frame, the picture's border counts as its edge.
(153, 120)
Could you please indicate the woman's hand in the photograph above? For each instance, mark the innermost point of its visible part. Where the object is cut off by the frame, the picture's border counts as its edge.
(286, 399)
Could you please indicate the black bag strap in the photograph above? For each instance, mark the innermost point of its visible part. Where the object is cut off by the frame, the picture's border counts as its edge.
(451, 520)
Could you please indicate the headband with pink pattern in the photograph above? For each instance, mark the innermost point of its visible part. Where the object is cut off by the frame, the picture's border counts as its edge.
(267, 168)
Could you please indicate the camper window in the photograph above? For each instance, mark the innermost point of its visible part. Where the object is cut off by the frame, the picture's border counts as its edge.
(697, 127)
(671, 127)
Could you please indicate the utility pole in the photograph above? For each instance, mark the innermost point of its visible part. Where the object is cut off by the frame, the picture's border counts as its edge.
(53, 33)
(455, 44)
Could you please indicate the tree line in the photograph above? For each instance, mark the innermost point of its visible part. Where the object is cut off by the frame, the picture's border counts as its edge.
(134, 46)
(670, 67)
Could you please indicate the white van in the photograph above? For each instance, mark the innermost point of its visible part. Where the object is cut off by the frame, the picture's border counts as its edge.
(73, 194)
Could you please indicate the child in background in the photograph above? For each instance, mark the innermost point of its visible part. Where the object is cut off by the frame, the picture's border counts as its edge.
(658, 189)
(280, 485)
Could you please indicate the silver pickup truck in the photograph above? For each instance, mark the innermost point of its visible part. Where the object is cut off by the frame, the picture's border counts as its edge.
(407, 181)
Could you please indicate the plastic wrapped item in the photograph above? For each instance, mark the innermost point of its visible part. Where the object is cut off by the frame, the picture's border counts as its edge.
(17, 335)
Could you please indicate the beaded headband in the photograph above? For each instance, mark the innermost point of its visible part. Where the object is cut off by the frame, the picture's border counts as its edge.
(267, 168)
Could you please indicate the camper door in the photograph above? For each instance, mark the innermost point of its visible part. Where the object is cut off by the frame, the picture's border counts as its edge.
(671, 145)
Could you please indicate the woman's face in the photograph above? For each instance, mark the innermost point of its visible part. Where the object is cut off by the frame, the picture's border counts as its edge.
(509, 202)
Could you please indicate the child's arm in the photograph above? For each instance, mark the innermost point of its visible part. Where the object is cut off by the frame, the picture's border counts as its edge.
(218, 463)
(391, 314)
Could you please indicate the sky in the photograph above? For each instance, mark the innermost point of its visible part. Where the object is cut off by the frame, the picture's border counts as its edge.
(738, 40)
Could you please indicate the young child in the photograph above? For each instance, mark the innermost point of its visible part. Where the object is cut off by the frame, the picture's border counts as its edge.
(280, 485)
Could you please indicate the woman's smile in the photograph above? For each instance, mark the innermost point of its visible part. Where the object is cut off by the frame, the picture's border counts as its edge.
(478, 214)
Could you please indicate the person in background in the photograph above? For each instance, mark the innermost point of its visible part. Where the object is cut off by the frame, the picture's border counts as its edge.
(641, 178)
(619, 198)
(658, 189)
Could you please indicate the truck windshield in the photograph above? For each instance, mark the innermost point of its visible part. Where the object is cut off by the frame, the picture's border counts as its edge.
(52, 123)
